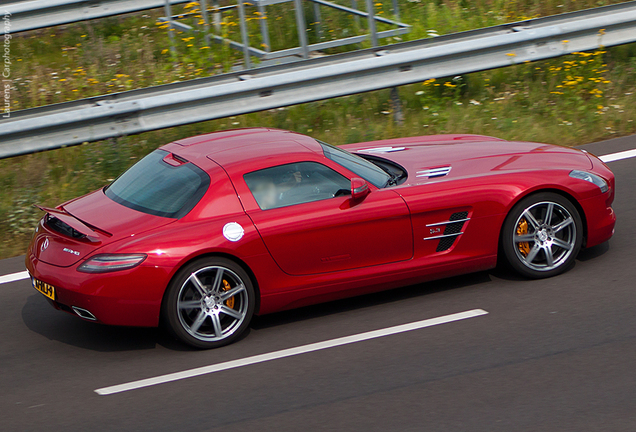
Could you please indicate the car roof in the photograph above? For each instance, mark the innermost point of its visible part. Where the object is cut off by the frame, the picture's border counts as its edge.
(242, 146)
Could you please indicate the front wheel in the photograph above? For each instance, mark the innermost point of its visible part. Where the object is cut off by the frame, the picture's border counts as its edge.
(209, 303)
(542, 235)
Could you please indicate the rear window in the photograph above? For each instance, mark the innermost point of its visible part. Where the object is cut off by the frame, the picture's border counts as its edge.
(155, 187)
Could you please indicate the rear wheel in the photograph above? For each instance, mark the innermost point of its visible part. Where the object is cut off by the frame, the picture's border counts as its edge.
(209, 303)
(542, 235)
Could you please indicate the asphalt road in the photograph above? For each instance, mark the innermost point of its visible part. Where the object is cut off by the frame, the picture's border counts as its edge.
(550, 355)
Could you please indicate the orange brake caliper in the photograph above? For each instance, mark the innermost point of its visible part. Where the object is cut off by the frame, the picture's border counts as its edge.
(229, 302)
(522, 229)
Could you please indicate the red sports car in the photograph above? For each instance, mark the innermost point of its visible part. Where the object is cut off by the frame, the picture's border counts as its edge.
(207, 231)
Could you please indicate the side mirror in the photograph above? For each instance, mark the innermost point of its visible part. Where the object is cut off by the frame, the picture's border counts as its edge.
(359, 188)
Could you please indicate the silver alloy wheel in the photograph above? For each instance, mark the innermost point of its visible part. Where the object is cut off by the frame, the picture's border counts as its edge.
(550, 237)
(212, 303)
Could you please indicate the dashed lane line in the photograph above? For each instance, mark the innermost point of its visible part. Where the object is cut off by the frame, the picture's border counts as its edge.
(14, 277)
(618, 156)
(162, 379)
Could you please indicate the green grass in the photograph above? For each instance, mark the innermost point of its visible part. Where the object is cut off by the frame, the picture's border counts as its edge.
(571, 100)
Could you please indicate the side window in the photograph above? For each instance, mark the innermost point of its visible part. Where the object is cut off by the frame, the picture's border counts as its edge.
(296, 183)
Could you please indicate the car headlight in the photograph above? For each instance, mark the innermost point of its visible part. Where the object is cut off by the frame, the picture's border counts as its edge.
(592, 178)
(111, 262)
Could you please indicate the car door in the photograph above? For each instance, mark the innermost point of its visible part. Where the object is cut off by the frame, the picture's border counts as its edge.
(309, 231)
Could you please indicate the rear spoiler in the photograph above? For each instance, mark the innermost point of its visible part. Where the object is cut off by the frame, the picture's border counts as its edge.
(90, 231)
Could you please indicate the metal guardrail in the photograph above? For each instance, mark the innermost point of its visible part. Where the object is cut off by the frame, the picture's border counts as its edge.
(36, 14)
(153, 108)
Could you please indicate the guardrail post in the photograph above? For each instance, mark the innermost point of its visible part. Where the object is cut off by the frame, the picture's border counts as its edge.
(396, 106)
(168, 11)
(396, 10)
(203, 4)
(262, 16)
(371, 17)
(244, 36)
(216, 16)
(302, 27)
(318, 20)
(356, 18)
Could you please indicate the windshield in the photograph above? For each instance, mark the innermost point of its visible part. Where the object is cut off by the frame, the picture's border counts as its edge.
(361, 167)
(155, 187)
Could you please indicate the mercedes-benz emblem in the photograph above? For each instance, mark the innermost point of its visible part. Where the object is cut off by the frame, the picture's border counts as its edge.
(45, 244)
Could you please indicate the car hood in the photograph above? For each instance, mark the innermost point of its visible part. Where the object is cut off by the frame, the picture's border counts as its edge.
(95, 216)
(451, 156)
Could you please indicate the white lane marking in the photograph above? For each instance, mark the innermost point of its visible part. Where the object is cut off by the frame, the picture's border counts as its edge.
(618, 156)
(14, 277)
(289, 352)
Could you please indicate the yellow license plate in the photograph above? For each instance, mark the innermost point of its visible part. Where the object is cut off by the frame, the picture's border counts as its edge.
(44, 288)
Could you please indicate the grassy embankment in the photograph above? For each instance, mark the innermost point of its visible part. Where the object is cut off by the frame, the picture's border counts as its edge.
(571, 100)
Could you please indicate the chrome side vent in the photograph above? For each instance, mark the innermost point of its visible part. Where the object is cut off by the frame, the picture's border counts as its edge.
(452, 229)
(434, 172)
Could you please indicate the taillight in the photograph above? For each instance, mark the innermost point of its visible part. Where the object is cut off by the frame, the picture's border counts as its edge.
(111, 262)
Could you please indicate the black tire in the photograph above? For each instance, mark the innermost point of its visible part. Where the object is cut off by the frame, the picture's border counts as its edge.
(561, 237)
(195, 306)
